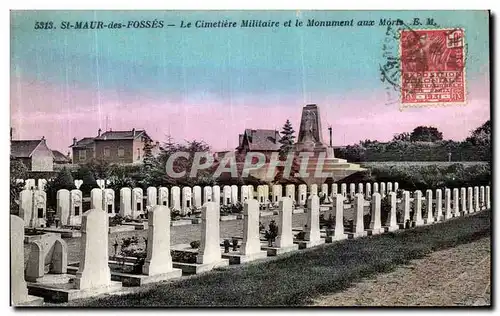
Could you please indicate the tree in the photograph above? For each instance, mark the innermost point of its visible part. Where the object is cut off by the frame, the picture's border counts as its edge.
(426, 134)
(63, 180)
(481, 135)
(287, 139)
(89, 181)
(402, 137)
(17, 171)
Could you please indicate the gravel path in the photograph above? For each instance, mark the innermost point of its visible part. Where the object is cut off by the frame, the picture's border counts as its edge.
(457, 276)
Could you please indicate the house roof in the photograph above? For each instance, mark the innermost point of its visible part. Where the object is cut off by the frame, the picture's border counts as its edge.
(114, 135)
(60, 157)
(23, 148)
(84, 142)
(263, 139)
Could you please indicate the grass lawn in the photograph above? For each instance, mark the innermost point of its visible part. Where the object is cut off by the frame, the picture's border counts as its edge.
(298, 277)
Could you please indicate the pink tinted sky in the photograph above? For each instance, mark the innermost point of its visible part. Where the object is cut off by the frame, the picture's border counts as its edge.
(61, 113)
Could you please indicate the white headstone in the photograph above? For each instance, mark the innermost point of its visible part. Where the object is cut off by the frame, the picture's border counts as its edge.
(382, 189)
(352, 189)
(151, 196)
(93, 271)
(439, 205)
(62, 208)
(18, 290)
(137, 202)
(175, 195)
(463, 200)
(406, 207)
(360, 188)
(389, 187)
(488, 197)
(78, 183)
(251, 192)
(302, 194)
(447, 203)
(251, 233)
(290, 191)
(417, 208)
(470, 200)
(207, 194)
(266, 192)
(101, 183)
(375, 188)
(261, 197)
(482, 197)
(197, 196)
(396, 187)
(108, 201)
(75, 207)
(96, 198)
(187, 200)
(234, 194)
(359, 205)
(125, 202)
(41, 184)
(368, 192)
(216, 195)
(163, 196)
(277, 193)
(324, 189)
(39, 213)
(428, 202)
(30, 184)
(375, 223)
(456, 202)
(314, 189)
(209, 250)
(335, 189)
(285, 235)
(343, 189)
(312, 225)
(476, 199)
(392, 221)
(244, 194)
(338, 208)
(26, 206)
(158, 259)
(226, 195)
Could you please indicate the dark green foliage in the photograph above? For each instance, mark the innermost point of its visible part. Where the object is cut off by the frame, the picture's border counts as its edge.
(305, 275)
(195, 244)
(17, 171)
(89, 181)
(287, 140)
(272, 233)
(425, 134)
(63, 180)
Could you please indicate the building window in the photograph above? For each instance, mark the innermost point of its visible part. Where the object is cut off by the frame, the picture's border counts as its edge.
(107, 152)
(82, 154)
(121, 152)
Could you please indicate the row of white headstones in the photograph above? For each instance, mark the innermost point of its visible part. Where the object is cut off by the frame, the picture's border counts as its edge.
(69, 203)
(94, 269)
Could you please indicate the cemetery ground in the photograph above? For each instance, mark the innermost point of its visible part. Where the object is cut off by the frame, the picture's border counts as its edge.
(305, 277)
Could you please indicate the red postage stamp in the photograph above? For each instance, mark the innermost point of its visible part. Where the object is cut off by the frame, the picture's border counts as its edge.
(432, 67)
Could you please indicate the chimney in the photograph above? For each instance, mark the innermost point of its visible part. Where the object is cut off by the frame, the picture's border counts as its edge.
(133, 132)
(74, 141)
(98, 132)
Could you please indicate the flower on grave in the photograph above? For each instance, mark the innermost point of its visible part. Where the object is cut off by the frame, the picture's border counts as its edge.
(227, 244)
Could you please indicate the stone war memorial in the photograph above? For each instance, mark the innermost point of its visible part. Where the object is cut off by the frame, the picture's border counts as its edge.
(236, 158)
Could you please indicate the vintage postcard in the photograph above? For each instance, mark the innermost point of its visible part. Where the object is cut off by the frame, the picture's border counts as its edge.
(250, 158)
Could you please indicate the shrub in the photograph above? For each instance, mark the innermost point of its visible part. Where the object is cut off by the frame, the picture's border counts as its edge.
(195, 244)
(272, 233)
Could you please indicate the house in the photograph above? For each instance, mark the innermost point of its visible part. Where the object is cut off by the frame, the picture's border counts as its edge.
(60, 158)
(34, 154)
(265, 141)
(124, 147)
